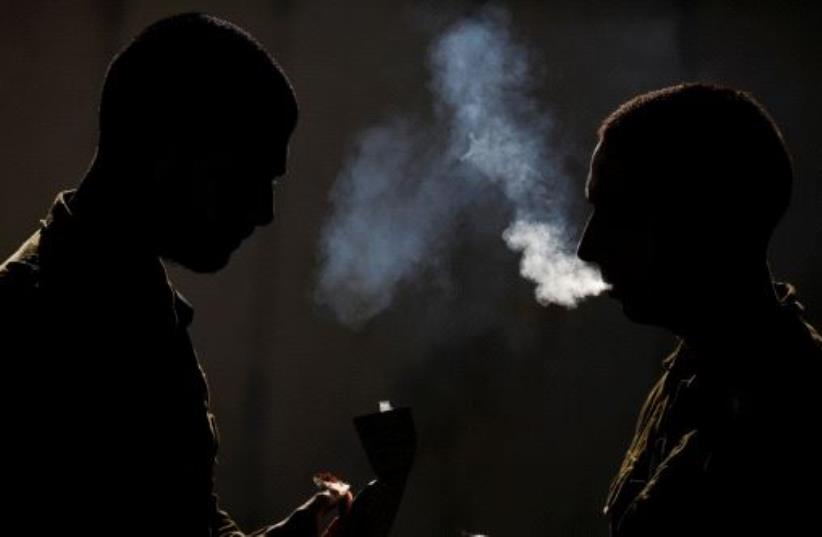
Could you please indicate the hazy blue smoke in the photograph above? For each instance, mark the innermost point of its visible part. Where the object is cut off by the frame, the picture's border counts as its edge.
(400, 192)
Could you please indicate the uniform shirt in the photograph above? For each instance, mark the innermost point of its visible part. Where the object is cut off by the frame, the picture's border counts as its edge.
(107, 422)
(726, 442)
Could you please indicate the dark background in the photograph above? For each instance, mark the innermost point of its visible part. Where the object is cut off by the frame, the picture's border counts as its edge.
(523, 411)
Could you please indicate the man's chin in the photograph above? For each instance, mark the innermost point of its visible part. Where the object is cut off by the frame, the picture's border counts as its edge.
(645, 313)
(634, 310)
(635, 315)
(202, 263)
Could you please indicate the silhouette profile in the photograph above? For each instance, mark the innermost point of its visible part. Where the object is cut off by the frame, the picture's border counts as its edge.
(687, 185)
(109, 430)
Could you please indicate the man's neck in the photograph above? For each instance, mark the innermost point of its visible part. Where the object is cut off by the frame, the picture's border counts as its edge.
(102, 203)
(738, 304)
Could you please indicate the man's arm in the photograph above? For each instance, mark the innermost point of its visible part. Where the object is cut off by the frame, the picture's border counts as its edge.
(305, 521)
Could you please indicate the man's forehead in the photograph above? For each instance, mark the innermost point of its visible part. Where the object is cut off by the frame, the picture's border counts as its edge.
(607, 174)
(595, 172)
(590, 187)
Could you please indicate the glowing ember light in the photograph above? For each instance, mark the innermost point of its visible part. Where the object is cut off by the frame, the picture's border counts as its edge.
(331, 483)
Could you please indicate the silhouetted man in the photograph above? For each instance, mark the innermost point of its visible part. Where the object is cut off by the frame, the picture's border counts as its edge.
(687, 185)
(107, 429)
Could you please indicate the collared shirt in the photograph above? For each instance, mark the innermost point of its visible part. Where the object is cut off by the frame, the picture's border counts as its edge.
(108, 428)
(725, 442)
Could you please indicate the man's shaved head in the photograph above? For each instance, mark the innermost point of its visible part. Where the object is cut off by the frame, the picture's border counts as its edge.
(688, 184)
(195, 122)
(186, 75)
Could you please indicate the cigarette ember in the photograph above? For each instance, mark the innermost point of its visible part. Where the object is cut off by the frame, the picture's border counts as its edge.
(327, 481)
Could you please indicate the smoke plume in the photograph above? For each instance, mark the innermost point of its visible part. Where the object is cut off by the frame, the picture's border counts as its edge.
(401, 191)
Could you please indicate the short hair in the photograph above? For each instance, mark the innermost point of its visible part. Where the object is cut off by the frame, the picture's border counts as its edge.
(708, 146)
(188, 74)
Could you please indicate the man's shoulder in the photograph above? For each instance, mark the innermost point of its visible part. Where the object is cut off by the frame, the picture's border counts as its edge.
(810, 354)
(815, 337)
(804, 342)
(21, 301)
(792, 330)
(20, 273)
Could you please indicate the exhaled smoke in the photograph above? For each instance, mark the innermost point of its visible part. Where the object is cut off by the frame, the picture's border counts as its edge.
(403, 188)
(561, 277)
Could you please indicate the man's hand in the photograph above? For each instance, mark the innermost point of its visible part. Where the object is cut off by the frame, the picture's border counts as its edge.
(308, 519)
